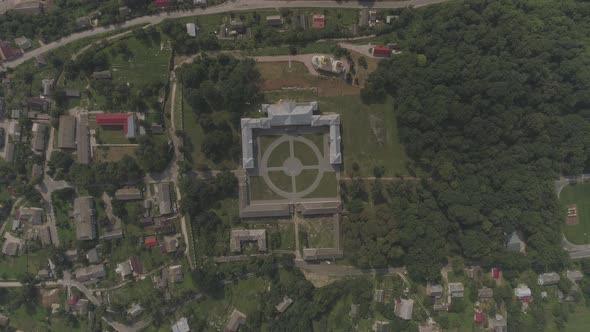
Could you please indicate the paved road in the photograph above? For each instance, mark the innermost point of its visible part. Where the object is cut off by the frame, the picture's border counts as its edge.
(230, 6)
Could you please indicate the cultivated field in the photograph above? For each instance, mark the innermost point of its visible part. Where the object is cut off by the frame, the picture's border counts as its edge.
(578, 194)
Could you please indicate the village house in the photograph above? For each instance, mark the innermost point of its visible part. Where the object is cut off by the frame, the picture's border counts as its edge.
(274, 20)
(30, 215)
(175, 273)
(181, 325)
(124, 269)
(135, 310)
(515, 243)
(235, 320)
(404, 308)
(498, 324)
(38, 103)
(281, 307)
(547, 279)
(575, 275)
(85, 218)
(83, 22)
(354, 310)
(67, 132)
(90, 274)
(102, 75)
(92, 256)
(523, 293)
(47, 85)
(456, 289)
(170, 243)
(318, 21)
(11, 247)
(435, 291)
(485, 293)
(4, 320)
(128, 194)
(247, 235)
(39, 139)
(379, 295)
(163, 197)
(23, 43)
(381, 326)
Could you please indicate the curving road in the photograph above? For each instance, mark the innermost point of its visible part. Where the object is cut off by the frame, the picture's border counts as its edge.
(230, 6)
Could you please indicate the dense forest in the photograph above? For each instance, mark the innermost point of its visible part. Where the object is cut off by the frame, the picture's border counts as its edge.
(492, 101)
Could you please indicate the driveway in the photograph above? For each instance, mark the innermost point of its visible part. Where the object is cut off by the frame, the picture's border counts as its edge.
(230, 6)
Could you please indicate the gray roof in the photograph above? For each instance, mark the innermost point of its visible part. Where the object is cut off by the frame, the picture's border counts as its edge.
(36, 170)
(72, 93)
(574, 275)
(125, 194)
(9, 151)
(235, 320)
(181, 325)
(45, 235)
(92, 256)
(102, 75)
(31, 215)
(322, 207)
(83, 22)
(23, 42)
(67, 130)
(83, 140)
(289, 113)
(170, 243)
(90, 273)
(321, 253)
(240, 235)
(456, 287)
(379, 295)
(135, 310)
(10, 248)
(191, 29)
(485, 293)
(4, 320)
(124, 269)
(434, 289)
(164, 201)
(85, 217)
(548, 279)
(281, 307)
(39, 136)
(404, 308)
(175, 273)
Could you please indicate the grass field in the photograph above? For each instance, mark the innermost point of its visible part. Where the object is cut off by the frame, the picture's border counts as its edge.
(305, 179)
(281, 180)
(328, 187)
(147, 63)
(278, 155)
(578, 194)
(13, 267)
(113, 153)
(260, 191)
(111, 135)
(305, 154)
(320, 231)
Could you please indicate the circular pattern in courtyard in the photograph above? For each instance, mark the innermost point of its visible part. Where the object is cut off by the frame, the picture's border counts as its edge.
(300, 168)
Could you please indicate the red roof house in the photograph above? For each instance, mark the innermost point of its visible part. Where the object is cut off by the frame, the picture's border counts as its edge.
(318, 21)
(496, 273)
(126, 120)
(162, 3)
(478, 317)
(381, 51)
(73, 300)
(151, 242)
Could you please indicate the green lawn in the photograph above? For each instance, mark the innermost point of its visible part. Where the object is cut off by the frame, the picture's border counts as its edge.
(111, 135)
(305, 154)
(260, 191)
(320, 231)
(281, 180)
(578, 194)
(148, 62)
(369, 135)
(13, 267)
(328, 187)
(278, 155)
(305, 179)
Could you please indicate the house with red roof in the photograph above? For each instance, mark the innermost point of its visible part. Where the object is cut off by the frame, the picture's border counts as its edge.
(478, 317)
(162, 3)
(125, 120)
(381, 51)
(496, 273)
(318, 21)
(7, 52)
(150, 242)
(73, 300)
